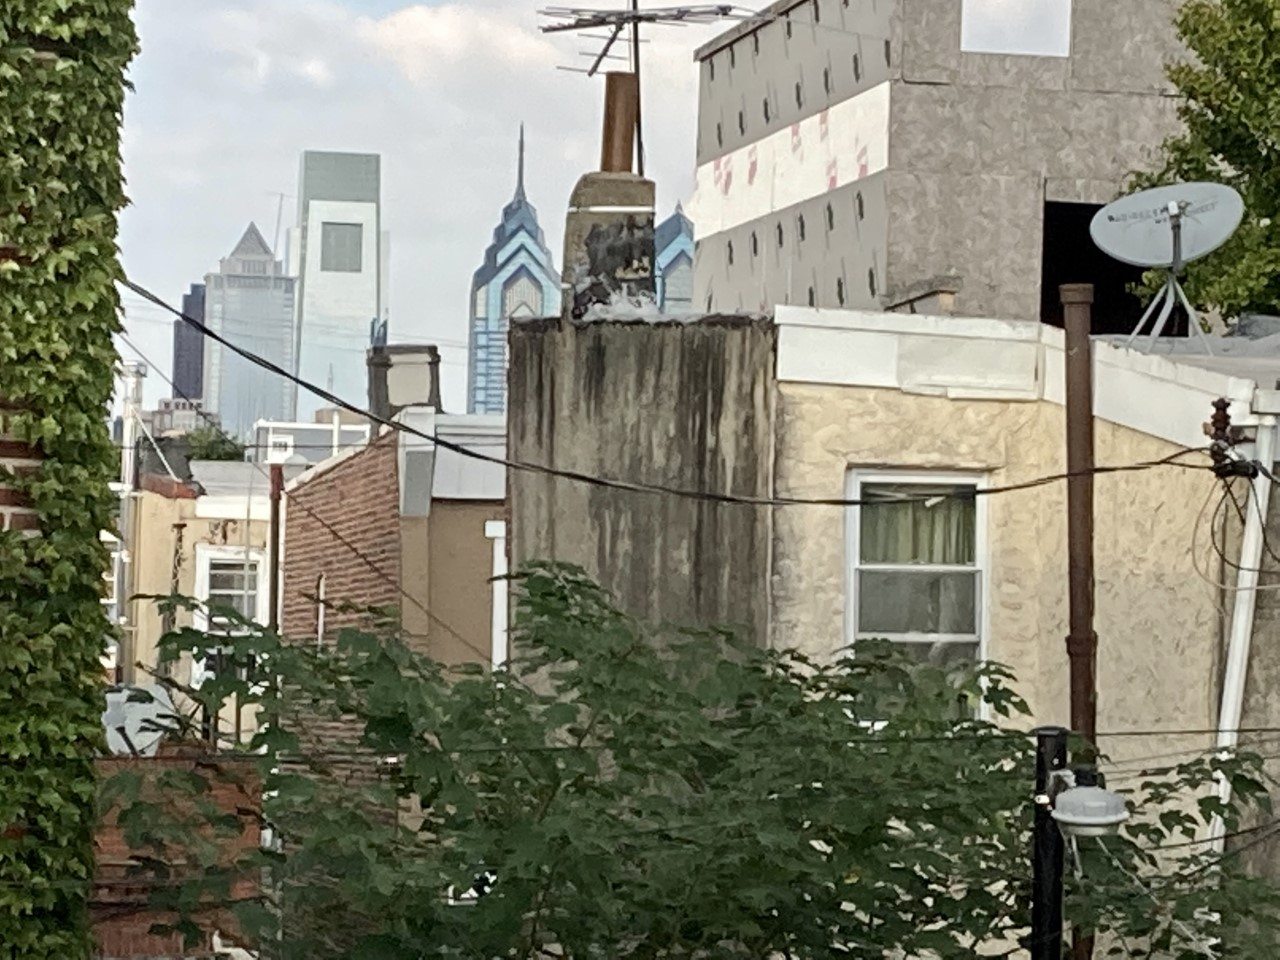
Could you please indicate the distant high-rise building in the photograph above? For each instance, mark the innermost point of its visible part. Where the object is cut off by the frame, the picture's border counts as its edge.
(517, 279)
(673, 262)
(250, 302)
(188, 347)
(339, 254)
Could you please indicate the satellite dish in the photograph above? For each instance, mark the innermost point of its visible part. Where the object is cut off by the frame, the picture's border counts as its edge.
(1167, 227)
(1139, 229)
(137, 719)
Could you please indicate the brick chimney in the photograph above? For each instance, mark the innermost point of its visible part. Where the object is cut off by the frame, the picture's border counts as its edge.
(608, 236)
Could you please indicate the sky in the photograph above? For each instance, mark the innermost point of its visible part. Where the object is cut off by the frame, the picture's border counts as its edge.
(228, 93)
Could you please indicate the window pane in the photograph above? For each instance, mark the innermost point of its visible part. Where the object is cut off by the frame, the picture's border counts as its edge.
(340, 247)
(918, 530)
(925, 601)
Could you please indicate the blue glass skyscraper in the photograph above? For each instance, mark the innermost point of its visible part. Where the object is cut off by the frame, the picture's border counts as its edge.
(517, 279)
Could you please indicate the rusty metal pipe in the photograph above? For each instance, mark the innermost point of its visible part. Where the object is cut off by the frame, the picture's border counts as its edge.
(621, 114)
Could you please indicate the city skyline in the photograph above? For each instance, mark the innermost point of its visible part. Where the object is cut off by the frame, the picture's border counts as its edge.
(399, 79)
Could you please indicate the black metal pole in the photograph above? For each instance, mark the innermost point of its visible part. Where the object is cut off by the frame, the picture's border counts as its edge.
(635, 56)
(1047, 850)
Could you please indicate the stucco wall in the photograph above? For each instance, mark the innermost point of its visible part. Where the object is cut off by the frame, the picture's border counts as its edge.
(460, 596)
(1156, 620)
(685, 405)
(155, 517)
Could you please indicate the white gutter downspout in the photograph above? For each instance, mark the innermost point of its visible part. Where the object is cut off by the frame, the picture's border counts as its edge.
(1240, 639)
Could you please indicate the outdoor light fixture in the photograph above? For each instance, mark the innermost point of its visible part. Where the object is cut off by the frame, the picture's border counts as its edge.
(1082, 808)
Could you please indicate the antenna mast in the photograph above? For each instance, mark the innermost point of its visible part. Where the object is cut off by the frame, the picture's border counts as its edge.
(577, 19)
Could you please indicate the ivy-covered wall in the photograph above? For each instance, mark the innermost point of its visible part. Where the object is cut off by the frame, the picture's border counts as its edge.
(61, 92)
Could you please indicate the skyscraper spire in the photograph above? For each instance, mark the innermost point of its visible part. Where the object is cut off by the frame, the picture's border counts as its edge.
(520, 168)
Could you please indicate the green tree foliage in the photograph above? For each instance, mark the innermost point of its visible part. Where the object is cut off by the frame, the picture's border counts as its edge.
(210, 443)
(1229, 93)
(656, 794)
(61, 91)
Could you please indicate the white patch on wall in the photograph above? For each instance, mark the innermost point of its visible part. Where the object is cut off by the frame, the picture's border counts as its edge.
(841, 145)
(1033, 28)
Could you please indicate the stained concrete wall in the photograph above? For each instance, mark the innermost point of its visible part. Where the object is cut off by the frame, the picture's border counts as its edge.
(1156, 619)
(686, 405)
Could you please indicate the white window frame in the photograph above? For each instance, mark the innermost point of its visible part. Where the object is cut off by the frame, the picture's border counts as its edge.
(855, 479)
(208, 552)
(496, 531)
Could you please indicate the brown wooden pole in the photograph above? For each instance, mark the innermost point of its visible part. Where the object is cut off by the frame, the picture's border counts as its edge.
(1082, 641)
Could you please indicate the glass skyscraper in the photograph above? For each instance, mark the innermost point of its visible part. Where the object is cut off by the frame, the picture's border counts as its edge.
(517, 279)
(250, 302)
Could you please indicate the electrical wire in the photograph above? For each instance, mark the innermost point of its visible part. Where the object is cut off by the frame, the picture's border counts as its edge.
(636, 486)
(357, 552)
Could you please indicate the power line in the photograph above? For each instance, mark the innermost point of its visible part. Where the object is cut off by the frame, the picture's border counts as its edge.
(636, 486)
(360, 555)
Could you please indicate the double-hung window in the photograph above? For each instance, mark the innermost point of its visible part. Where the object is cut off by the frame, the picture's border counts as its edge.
(917, 560)
(230, 581)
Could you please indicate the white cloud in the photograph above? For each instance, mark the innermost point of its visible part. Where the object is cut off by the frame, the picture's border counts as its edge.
(229, 92)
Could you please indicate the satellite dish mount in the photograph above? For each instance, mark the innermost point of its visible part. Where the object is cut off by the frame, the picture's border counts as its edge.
(1171, 293)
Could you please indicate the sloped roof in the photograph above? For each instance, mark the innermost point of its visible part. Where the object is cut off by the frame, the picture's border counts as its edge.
(252, 244)
(670, 229)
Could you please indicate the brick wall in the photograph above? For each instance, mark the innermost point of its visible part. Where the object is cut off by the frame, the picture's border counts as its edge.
(15, 457)
(122, 917)
(359, 499)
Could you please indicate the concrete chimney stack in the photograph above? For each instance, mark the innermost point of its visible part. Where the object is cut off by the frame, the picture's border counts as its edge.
(608, 237)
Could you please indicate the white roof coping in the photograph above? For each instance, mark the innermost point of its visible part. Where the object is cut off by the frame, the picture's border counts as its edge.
(975, 358)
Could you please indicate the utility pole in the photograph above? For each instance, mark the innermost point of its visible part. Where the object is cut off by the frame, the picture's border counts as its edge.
(273, 589)
(1082, 641)
(133, 373)
(1047, 850)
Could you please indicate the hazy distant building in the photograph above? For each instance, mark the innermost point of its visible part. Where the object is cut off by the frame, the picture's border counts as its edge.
(339, 254)
(188, 347)
(673, 263)
(927, 156)
(517, 279)
(249, 301)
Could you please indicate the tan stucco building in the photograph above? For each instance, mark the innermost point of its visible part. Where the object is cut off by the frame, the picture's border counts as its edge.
(846, 405)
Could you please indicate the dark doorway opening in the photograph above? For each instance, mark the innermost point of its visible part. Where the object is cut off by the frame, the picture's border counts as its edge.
(1070, 256)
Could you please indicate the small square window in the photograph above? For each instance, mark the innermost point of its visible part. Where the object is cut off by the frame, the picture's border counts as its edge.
(1033, 28)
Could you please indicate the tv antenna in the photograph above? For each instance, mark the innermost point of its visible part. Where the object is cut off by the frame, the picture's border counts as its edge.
(1167, 228)
(577, 19)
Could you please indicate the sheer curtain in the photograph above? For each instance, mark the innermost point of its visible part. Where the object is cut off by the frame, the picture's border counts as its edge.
(930, 532)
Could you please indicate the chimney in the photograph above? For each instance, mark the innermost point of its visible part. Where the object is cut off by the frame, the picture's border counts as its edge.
(400, 376)
(608, 236)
